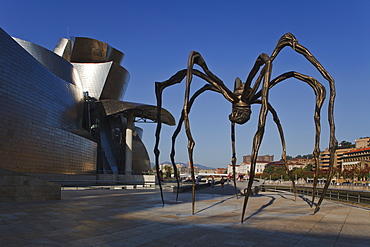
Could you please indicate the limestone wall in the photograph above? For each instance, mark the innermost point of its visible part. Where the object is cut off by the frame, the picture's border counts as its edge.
(18, 187)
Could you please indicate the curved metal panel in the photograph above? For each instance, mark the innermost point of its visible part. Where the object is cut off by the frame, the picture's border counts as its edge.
(54, 63)
(93, 76)
(103, 80)
(140, 157)
(64, 48)
(87, 50)
(112, 107)
(114, 55)
(116, 83)
(39, 111)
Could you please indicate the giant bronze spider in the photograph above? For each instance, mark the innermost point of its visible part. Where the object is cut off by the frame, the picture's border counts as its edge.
(243, 96)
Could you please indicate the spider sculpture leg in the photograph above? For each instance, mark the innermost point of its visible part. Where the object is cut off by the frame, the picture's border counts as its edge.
(159, 87)
(194, 58)
(320, 93)
(283, 155)
(283, 144)
(178, 128)
(289, 40)
(233, 158)
(320, 96)
(191, 143)
(259, 134)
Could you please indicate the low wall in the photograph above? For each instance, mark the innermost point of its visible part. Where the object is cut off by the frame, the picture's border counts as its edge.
(126, 179)
(18, 187)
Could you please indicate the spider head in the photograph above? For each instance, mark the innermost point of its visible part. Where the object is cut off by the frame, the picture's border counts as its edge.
(241, 110)
(241, 113)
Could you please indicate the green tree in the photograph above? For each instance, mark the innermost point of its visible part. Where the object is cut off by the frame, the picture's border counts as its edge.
(345, 144)
(168, 170)
(308, 167)
(269, 170)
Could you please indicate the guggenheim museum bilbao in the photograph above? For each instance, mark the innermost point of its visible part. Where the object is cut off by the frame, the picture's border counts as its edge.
(62, 114)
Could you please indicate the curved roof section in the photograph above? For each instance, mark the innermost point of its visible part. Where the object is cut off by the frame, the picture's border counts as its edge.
(54, 63)
(98, 66)
(112, 107)
(106, 80)
(87, 50)
(64, 48)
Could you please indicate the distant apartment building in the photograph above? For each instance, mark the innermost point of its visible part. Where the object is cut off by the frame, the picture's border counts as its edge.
(346, 155)
(357, 158)
(324, 158)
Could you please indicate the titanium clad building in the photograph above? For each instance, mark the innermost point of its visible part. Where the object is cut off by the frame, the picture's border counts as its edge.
(61, 114)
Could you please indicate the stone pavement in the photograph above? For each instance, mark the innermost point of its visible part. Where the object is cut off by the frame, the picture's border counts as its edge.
(136, 218)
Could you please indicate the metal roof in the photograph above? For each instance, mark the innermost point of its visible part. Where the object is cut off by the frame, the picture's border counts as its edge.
(144, 111)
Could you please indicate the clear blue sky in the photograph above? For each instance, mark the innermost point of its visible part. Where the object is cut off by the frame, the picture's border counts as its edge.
(157, 37)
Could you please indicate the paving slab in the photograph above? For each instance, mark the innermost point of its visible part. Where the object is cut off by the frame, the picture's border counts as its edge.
(137, 217)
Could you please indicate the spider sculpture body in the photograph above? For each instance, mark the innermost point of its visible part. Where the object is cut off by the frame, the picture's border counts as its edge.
(244, 95)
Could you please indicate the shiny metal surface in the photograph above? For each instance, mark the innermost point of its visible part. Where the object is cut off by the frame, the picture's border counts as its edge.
(98, 65)
(93, 77)
(47, 127)
(87, 50)
(140, 110)
(41, 104)
(106, 80)
(116, 83)
(140, 157)
(64, 48)
(54, 63)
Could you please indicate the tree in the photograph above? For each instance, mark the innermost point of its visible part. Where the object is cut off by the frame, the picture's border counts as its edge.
(348, 174)
(269, 170)
(275, 173)
(305, 156)
(345, 144)
(168, 170)
(308, 167)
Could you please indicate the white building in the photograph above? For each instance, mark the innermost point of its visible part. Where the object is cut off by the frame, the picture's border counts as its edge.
(245, 167)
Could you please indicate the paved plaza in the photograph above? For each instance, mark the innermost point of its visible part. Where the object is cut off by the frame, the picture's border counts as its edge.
(104, 217)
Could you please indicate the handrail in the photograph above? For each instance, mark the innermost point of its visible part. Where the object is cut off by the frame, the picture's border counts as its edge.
(358, 197)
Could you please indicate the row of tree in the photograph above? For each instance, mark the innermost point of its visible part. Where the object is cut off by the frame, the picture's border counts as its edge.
(355, 173)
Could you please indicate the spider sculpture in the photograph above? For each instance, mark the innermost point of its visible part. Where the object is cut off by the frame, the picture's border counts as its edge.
(244, 95)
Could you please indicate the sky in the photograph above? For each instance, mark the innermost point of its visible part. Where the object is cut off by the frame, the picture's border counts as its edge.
(158, 36)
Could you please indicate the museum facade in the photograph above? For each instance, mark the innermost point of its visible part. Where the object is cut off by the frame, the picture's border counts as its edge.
(62, 114)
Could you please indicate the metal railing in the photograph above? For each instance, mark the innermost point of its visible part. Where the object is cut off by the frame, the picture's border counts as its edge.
(357, 197)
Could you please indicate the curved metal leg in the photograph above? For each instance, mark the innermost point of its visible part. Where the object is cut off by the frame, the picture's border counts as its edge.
(289, 40)
(259, 134)
(178, 129)
(233, 159)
